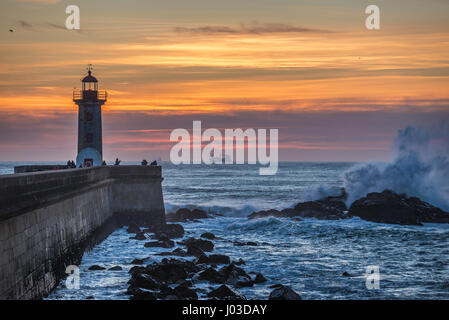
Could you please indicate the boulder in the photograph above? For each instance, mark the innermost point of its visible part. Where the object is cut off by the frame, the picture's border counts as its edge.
(139, 294)
(160, 244)
(96, 268)
(213, 259)
(211, 275)
(170, 231)
(115, 268)
(259, 278)
(393, 208)
(185, 293)
(185, 214)
(208, 235)
(142, 280)
(139, 261)
(282, 292)
(235, 276)
(225, 293)
(204, 245)
(193, 250)
(171, 270)
(329, 208)
(247, 243)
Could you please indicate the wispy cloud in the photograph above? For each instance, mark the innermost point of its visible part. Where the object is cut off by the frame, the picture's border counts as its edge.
(254, 27)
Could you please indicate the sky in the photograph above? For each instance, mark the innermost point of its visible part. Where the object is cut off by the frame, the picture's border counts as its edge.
(335, 90)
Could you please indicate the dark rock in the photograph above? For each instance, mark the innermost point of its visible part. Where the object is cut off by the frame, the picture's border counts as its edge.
(171, 270)
(346, 274)
(142, 280)
(115, 268)
(90, 298)
(211, 275)
(208, 235)
(170, 231)
(284, 293)
(235, 276)
(259, 278)
(241, 244)
(184, 292)
(389, 207)
(160, 244)
(96, 267)
(139, 294)
(133, 228)
(139, 236)
(193, 250)
(185, 214)
(139, 261)
(136, 270)
(204, 245)
(329, 208)
(225, 293)
(239, 262)
(213, 259)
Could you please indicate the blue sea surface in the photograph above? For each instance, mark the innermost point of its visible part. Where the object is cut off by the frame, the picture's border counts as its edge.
(309, 255)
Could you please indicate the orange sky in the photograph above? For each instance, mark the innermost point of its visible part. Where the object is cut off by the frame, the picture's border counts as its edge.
(336, 90)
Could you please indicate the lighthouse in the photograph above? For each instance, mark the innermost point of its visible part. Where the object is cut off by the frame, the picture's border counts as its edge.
(90, 142)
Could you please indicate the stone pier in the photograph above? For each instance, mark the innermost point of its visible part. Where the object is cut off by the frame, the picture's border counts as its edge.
(47, 218)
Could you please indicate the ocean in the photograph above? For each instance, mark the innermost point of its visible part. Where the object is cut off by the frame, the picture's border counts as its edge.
(310, 255)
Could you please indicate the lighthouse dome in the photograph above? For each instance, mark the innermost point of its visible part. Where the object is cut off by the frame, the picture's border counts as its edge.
(89, 77)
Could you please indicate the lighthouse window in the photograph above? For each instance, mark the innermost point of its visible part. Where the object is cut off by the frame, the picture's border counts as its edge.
(88, 116)
(88, 138)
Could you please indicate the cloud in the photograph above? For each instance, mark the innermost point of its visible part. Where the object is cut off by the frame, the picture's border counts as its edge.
(25, 24)
(252, 28)
(41, 1)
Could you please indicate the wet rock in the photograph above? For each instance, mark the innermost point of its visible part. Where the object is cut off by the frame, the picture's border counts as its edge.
(390, 207)
(284, 293)
(185, 214)
(160, 244)
(185, 293)
(236, 276)
(139, 261)
(166, 292)
(211, 275)
(133, 228)
(140, 294)
(115, 268)
(239, 262)
(346, 274)
(170, 231)
(90, 298)
(241, 244)
(225, 293)
(96, 268)
(259, 278)
(139, 236)
(193, 250)
(171, 270)
(213, 259)
(208, 235)
(204, 245)
(177, 252)
(143, 280)
(329, 208)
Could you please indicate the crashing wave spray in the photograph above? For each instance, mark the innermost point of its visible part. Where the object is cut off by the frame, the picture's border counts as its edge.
(420, 168)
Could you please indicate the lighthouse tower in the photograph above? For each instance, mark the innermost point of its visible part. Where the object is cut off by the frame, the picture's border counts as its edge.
(90, 141)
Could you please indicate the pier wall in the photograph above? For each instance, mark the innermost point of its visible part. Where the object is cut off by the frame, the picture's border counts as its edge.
(47, 219)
